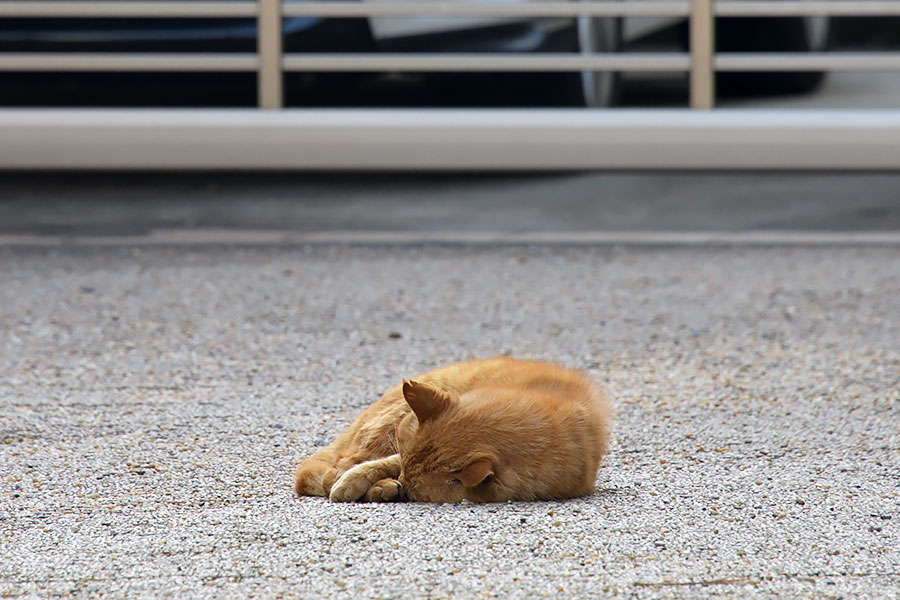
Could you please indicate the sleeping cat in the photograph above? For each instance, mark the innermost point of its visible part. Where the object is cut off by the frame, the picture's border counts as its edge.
(485, 431)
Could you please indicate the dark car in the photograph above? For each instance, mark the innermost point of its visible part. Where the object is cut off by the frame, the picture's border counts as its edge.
(300, 35)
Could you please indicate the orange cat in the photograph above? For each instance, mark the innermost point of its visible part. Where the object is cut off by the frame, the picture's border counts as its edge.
(485, 430)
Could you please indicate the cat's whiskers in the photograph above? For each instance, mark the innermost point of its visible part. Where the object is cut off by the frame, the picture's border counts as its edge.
(392, 439)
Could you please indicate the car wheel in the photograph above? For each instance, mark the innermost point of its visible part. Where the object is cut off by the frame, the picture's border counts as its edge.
(795, 34)
(599, 89)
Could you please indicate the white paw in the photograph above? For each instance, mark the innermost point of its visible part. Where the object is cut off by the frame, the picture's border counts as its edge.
(351, 486)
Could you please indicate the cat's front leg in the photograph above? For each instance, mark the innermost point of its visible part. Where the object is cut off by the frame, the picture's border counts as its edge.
(357, 481)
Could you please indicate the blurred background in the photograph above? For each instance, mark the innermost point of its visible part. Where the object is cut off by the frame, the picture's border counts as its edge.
(208, 54)
(27, 38)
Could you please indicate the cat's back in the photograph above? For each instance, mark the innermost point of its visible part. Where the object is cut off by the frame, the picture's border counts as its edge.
(505, 372)
(513, 385)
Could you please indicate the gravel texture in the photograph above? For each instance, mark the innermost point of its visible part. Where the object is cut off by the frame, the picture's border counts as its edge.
(154, 402)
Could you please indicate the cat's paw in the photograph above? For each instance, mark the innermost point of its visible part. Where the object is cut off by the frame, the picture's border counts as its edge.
(351, 486)
(386, 490)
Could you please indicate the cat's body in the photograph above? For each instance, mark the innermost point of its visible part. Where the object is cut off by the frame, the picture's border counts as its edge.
(487, 431)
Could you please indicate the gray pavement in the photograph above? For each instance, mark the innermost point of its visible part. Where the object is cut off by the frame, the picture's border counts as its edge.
(155, 399)
(135, 204)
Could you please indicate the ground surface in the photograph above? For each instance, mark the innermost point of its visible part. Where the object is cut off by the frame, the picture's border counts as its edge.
(154, 400)
(104, 204)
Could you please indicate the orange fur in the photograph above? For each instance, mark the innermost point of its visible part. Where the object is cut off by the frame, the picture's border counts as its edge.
(486, 431)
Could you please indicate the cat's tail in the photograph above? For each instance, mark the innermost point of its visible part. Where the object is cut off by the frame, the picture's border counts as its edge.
(314, 477)
(601, 407)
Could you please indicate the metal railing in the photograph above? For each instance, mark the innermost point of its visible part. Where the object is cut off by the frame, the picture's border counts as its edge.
(271, 63)
(448, 139)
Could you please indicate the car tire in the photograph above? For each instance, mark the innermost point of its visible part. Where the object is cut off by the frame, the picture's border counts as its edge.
(598, 89)
(794, 34)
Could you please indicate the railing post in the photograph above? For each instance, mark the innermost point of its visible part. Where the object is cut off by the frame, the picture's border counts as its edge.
(703, 82)
(268, 40)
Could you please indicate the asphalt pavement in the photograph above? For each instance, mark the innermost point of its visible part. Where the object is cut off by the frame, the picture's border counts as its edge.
(154, 398)
(135, 204)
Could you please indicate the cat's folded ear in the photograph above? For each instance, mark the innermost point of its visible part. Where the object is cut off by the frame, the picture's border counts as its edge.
(427, 402)
(476, 472)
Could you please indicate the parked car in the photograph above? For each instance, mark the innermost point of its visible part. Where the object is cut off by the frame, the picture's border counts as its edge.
(382, 34)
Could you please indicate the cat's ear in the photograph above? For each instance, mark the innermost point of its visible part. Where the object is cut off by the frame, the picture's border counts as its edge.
(426, 401)
(476, 472)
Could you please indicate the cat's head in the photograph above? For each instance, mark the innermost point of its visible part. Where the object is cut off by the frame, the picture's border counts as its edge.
(444, 455)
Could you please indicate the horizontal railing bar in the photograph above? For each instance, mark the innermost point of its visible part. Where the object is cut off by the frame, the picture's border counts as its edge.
(97, 61)
(656, 8)
(824, 61)
(410, 139)
(659, 8)
(486, 62)
(42, 8)
(808, 61)
(771, 8)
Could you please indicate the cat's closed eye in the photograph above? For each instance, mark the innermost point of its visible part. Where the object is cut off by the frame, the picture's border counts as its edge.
(487, 479)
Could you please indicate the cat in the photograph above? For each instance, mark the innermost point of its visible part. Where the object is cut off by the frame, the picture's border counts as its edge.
(484, 430)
